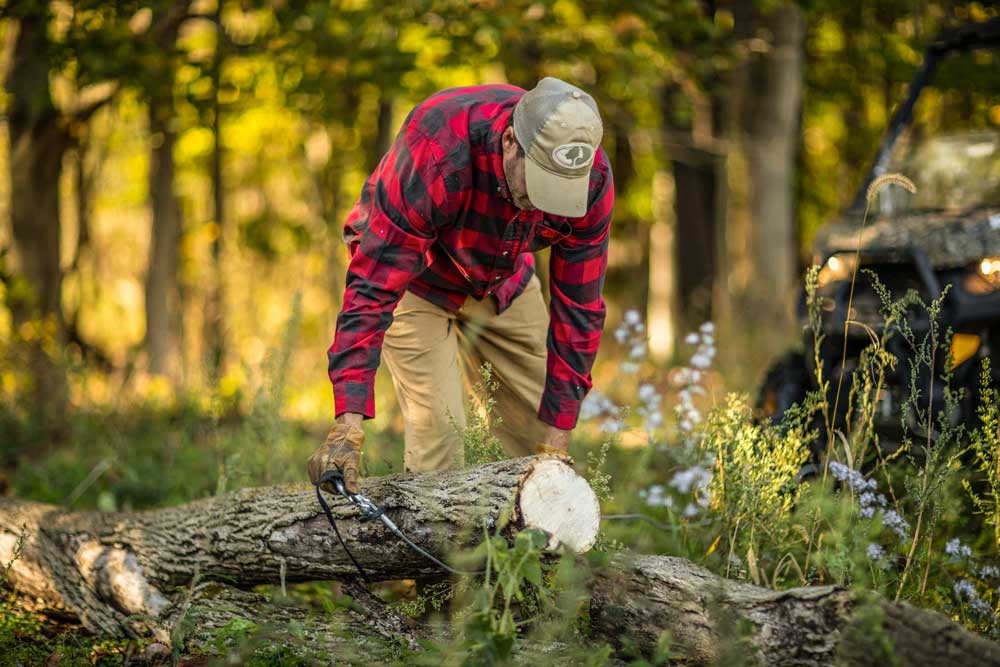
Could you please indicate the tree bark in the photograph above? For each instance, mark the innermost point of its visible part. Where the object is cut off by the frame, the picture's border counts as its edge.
(214, 327)
(38, 142)
(709, 618)
(111, 570)
(163, 306)
(210, 606)
(764, 107)
(771, 141)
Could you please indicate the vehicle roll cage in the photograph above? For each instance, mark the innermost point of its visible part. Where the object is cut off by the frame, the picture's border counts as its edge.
(966, 37)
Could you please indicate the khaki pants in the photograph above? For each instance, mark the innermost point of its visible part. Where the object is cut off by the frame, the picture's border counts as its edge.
(431, 353)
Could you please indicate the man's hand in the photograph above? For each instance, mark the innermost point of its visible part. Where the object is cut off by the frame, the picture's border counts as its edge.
(556, 442)
(342, 450)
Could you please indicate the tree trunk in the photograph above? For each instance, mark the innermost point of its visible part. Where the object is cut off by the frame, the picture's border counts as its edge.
(709, 618)
(38, 142)
(110, 570)
(163, 306)
(696, 180)
(771, 105)
(214, 324)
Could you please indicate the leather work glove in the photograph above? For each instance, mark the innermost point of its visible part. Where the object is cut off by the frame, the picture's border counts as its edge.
(342, 450)
(544, 448)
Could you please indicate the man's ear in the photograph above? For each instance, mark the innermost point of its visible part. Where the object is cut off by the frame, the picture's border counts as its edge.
(508, 138)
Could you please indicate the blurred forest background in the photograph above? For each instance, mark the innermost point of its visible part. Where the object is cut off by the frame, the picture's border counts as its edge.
(170, 234)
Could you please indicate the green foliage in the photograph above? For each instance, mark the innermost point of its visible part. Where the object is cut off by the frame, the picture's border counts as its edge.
(513, 576)
(597, 476)
(986, 449)
(754, 488)
(243, 642)
(866, 635)
(480, 443)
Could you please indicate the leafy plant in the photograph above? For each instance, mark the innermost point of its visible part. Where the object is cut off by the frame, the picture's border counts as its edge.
(480, 444)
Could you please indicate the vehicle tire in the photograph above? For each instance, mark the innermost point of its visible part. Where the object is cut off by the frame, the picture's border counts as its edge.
(786, 383)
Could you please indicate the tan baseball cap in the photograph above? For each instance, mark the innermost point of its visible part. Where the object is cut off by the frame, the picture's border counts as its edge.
(560, 129)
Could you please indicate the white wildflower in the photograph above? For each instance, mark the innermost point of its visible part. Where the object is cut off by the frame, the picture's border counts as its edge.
(611, 426)
(893, 521)
(964, 590)
(694, 478)
(701, 360)
(957, 550)
(648, 393)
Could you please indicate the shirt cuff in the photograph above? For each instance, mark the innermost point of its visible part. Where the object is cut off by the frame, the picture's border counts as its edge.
(560, 406)
(356, 397)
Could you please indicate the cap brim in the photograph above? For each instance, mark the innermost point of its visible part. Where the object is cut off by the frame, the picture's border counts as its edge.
(554, 194)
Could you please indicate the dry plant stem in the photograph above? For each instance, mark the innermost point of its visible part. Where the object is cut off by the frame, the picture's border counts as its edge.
(870, 416)
(927, 567)
(909, 555)
(831, 416)
(925, 477)
(843, 355)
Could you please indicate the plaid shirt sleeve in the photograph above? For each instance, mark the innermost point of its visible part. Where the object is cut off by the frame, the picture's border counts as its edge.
(577, 268)
(403, 200)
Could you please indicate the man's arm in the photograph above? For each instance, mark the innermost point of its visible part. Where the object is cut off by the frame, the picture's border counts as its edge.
(577, 268)
(407, 198)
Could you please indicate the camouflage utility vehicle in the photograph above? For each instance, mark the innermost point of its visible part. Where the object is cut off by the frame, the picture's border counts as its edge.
(945, 137)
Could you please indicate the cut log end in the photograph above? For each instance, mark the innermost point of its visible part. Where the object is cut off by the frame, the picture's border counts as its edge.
(555, 499)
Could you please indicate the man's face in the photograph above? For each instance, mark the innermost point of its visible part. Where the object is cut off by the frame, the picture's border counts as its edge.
(513, 169)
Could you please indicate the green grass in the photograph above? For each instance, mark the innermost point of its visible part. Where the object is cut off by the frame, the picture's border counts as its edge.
(921, 526)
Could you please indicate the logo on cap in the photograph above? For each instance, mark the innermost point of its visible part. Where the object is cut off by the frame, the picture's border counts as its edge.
(573, 155)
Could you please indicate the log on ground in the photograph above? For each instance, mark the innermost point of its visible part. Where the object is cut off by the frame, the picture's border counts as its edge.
(705, 619)
(112, 570)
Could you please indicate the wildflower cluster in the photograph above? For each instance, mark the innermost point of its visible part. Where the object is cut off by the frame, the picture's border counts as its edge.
(692, 481)
(957, 550)
(649, 410)
(692, 377)
(869, 500)
(875, 551)
(598, 406)
(632, 334)
(966, 592)
(655, 496)
(695, 476)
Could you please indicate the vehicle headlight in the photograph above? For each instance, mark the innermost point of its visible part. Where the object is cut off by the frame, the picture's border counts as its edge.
(839, 267)
(985, 277)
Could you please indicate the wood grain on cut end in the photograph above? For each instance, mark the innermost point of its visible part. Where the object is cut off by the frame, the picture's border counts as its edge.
(560, 502)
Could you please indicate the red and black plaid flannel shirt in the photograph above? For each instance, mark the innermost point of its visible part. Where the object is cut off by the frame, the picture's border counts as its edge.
(436, 218)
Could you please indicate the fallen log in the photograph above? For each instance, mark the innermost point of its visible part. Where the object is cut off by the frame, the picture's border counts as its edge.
(116, 572)
(365, 623)
(699, 615)
(145, 573)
